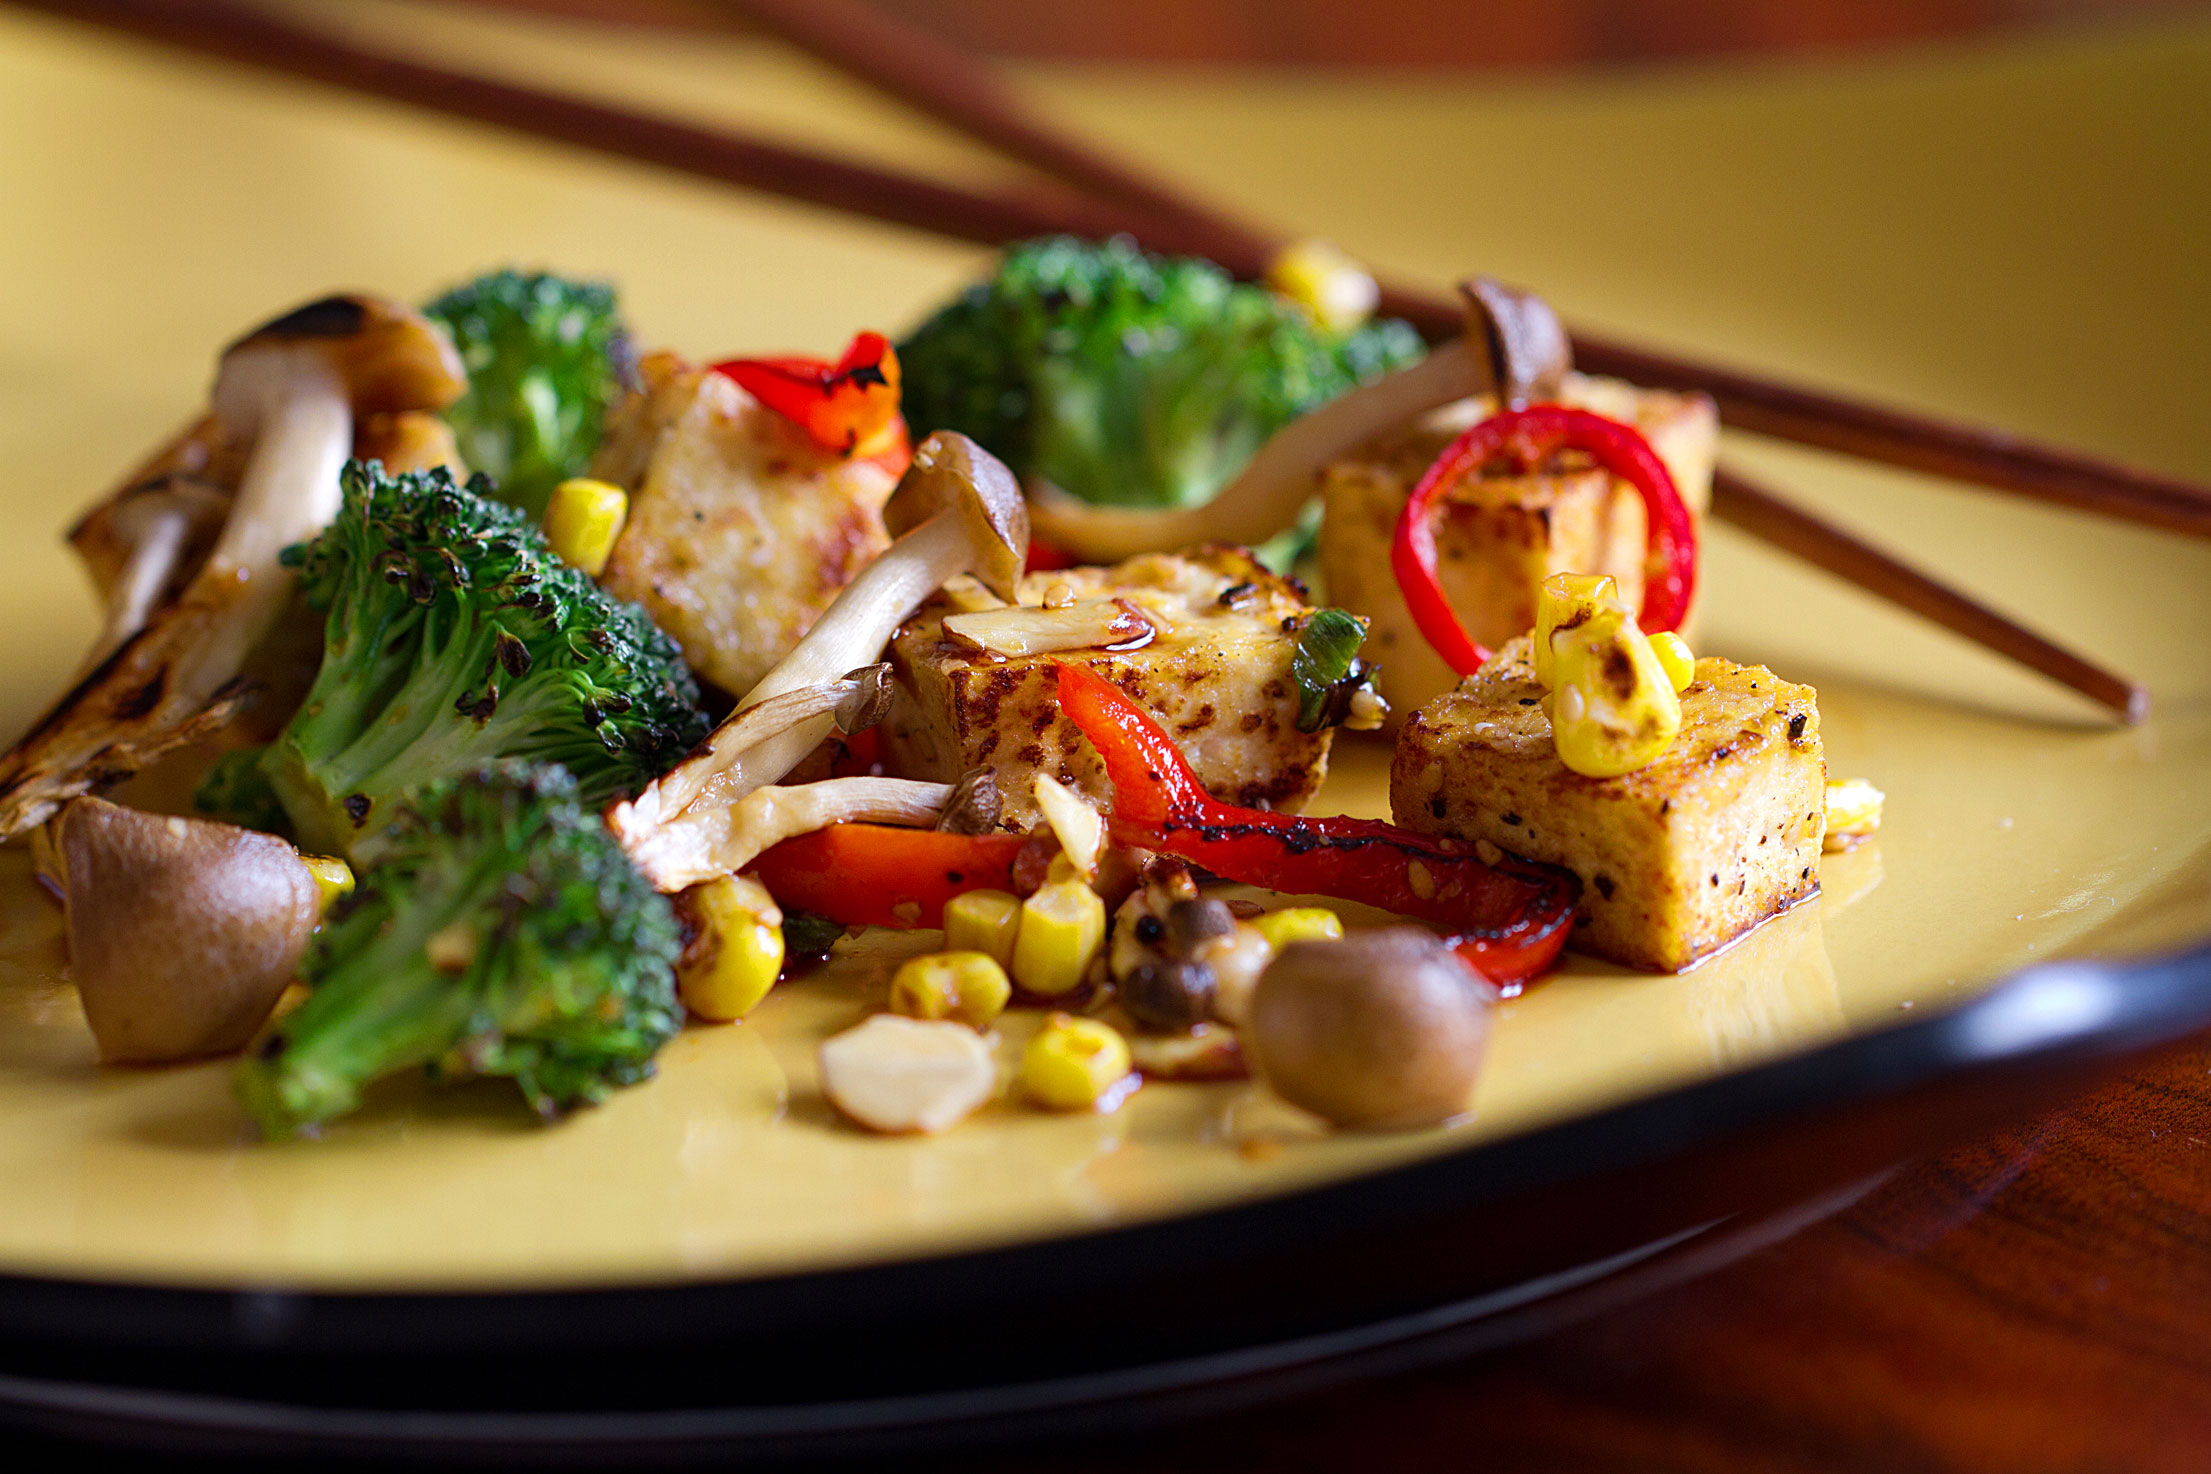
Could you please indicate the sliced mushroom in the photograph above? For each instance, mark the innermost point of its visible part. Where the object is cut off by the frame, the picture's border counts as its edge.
(1084, 624)
(182, 932)
(1513, 348)
(956, 510)
(1383, 1030)
(291, 389)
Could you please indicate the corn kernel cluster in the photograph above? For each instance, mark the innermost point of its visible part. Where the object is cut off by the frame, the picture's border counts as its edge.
(1614, 694)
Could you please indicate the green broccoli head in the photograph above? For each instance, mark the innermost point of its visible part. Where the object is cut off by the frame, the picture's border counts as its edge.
(1125, 377)
(455, 637)
(544, 357)
(504, 933)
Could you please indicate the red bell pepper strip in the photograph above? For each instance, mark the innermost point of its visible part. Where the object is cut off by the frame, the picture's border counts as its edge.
(1509, 919)
(1525, 438)
(881, 875)
(846, 406)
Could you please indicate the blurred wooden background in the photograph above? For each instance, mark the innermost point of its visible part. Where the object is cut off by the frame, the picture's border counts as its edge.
(1445, 34)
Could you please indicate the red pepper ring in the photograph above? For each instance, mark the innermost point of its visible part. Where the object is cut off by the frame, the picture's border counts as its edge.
(1527, 438)
(1508, 920)
(841, 406)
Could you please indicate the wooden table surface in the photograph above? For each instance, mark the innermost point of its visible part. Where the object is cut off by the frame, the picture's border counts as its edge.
(2038, 1301)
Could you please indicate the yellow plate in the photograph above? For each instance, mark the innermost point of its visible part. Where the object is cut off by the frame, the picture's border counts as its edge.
(2015, 236)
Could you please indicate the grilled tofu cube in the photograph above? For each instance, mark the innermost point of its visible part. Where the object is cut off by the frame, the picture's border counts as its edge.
(1215, 671)
(1676, 859)
(1499, 537)
(741, 530)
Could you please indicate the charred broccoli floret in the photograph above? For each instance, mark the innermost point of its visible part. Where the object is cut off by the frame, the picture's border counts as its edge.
(1129, 378)
(503, 933)
(544, 357)
(455, 637)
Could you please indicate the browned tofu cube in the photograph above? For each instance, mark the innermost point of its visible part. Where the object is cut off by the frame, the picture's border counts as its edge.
(1215, 672)
(741, 530)
(1498, 537)
(1676, 859)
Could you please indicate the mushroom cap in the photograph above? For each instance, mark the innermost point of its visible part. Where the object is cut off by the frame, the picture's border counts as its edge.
(951, 473)
(1526, 346)
(390, 357)
(182, 932)
(1383, 1029)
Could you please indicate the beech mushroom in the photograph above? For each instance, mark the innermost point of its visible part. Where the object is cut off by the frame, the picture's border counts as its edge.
(676, 830)
(1513, 348)
(956, 510)
(1382, 1030)
(291, 389)
(182, 932)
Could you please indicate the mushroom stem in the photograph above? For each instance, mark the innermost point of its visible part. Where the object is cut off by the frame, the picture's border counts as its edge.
(854, 630)
(729, 762)
(717, 839)
(139, 584)
(1513, 348)
(1266, 495)
(674, 826)
(766, 817)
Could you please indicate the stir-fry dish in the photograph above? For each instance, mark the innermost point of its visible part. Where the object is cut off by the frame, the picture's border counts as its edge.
(543, 694)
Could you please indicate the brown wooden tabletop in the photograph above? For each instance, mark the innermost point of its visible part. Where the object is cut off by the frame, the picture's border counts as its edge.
(2038, 1301)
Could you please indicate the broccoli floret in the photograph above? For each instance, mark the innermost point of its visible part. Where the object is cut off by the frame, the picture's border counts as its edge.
(1125, 377)
(504, 933)
(545, 362)
(455, 637)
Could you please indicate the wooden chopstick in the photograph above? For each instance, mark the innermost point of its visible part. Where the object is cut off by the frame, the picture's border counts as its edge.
(236, 33)
(935, 77)
(1790, 528)
(912, 64)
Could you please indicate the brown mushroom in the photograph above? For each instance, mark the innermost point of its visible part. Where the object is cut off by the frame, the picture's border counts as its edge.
(291, 390)
(182, 932)
(1382, 1030)
(1513, 348)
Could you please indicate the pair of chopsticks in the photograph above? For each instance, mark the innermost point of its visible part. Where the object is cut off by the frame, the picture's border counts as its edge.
(1098, 196)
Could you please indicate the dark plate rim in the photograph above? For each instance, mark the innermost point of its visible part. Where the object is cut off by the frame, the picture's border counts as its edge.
(2040, 1032)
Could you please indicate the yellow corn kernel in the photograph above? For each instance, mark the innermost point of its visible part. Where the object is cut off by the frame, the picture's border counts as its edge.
(736, 948)
(1566, 600)
(1072, 1063)
(583, 519)
(1613, 710)
(983, 921)
(1062, 927)
(1298, 924)
(1325, 281)
(968, 986)
(1675, 657)
(333, 878)
(1853, 813)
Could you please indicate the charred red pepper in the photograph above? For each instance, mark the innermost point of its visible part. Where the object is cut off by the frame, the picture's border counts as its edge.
(1524, 439)
(881, 875)
(850, 406)
(1509, 920)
